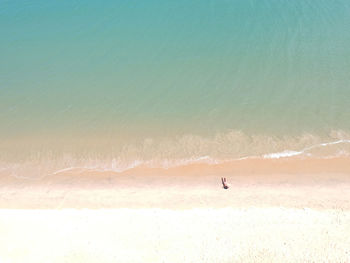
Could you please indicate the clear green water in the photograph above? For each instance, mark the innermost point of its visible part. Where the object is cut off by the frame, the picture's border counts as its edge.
(172, 79)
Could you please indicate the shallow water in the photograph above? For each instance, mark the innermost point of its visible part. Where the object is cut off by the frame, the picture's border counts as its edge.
(122, 83)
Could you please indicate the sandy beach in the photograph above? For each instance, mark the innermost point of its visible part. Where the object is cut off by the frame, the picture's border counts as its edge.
(286, 212)
(161, 235)
(122, 121)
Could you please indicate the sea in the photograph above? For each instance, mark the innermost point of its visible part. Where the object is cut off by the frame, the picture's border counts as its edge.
(113, 85)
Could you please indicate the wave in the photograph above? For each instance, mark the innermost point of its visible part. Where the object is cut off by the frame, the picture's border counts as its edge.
(167, 153)
(168, 164)
(288, 153)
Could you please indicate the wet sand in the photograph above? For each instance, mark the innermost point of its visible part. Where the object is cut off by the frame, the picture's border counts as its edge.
(269, 183)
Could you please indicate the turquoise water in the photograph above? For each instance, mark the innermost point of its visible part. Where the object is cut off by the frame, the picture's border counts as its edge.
(144, 80)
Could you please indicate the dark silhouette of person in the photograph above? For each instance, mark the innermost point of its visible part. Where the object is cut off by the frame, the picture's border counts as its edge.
(224, 184)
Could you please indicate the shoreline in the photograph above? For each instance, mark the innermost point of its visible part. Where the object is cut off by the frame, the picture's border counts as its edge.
(198, 186)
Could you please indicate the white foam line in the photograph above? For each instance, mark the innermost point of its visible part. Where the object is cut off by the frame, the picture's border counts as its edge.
(202, 159)
(245, 158)
(289, 153)
(281, 154)
(67, 169)
(326, 144)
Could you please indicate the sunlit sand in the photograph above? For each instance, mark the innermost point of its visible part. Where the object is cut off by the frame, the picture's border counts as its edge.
(155, 215)
(161, 235)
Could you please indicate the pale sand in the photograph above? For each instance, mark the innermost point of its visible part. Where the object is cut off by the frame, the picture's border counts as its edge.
(160, 235)
(285, 212)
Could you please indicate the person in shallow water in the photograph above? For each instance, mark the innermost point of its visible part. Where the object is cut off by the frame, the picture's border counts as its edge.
(224, 184)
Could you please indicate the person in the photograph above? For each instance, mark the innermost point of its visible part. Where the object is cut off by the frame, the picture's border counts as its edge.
(224, 184)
